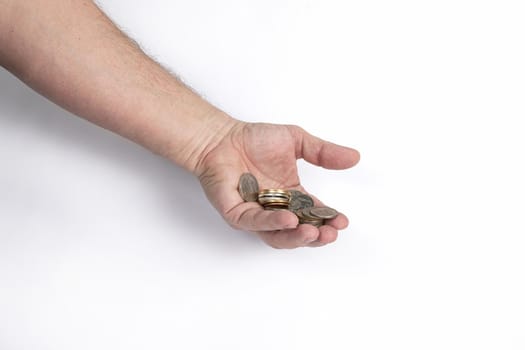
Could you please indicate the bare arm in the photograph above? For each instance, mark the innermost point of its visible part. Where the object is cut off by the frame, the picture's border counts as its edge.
(70, 52)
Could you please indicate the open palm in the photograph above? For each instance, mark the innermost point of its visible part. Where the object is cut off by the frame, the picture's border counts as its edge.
(270, 153)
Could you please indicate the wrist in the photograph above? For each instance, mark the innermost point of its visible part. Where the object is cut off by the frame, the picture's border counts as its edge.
(201, 136)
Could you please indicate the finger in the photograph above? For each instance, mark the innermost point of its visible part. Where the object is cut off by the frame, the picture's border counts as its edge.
(327, 235)
(323, 153)
(340, 222)
(289, 239)
(252, 217)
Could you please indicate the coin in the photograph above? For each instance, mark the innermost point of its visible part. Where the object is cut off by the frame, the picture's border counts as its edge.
(274, 196)
(317, 224)
(248, 187)
(276, 207)
(300, 200)
(306, 218)
(323, 212)
(274, 192)
(305, 214)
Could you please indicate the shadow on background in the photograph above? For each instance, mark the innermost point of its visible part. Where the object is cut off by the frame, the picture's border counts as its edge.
(22, 108)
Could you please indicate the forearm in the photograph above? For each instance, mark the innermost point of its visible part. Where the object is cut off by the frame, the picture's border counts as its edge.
(70, 52)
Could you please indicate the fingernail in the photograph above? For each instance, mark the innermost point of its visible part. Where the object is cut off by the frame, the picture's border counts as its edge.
(309, 240)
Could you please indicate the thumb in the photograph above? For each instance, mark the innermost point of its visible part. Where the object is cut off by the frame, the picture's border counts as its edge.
(323, 153)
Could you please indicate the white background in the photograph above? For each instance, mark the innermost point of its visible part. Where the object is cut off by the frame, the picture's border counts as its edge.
(106, 246)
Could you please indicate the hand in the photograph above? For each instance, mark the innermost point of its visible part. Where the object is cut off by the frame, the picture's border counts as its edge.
(131, 95)
(270, 153)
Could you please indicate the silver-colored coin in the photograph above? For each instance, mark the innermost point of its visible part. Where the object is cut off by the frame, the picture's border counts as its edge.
(295, 193)
(323, 212)
(274, 196)
(304, 214)
(306, 218)
(300, 200)
(274, 192)
(248, 187)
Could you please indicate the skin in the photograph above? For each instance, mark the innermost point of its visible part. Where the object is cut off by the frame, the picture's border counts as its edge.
(71, 52)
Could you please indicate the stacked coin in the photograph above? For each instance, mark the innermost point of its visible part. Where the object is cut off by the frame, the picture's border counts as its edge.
(297, 202)
(274, 199)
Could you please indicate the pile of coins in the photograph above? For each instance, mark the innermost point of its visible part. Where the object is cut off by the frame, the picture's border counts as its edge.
(274, 199)
(295, 201)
